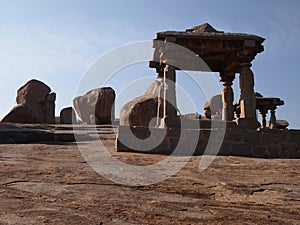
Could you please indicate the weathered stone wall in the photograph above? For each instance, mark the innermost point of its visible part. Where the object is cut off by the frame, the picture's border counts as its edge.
(236, 142)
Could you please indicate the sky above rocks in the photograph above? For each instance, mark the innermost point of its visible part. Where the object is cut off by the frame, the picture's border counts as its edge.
(58, 41)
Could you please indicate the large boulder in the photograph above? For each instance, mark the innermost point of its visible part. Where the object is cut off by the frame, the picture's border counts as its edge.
(22, 113)
(67, 116)
(35, 104)
(192, 116)
(34, 91)
(213, 106)
(154, 89)
(96, 106)
(139, 112)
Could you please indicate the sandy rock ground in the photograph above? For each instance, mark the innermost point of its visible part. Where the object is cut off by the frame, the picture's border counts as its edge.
(51, 183)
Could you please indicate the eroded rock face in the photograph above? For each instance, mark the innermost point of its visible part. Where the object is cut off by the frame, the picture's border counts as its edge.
(67, 116)
(35, 104)
(213, 106)
(98, 104)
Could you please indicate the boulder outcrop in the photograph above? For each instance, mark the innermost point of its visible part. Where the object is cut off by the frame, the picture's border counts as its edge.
(213, 106)
(141, 110)
(67, 116)
(35, 104)
(96, 106)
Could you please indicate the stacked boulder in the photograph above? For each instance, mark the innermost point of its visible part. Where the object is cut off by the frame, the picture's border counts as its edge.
(35, 104)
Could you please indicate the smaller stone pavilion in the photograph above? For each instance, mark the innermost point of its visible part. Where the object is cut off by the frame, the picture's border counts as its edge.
(229, 54)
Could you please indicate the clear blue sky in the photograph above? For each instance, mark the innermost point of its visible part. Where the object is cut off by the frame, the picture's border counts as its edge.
(56, 41)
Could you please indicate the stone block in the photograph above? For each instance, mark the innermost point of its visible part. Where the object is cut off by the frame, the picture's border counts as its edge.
(204, 135)
(182, 148)
(297, 152)
(235, 138)
(241, 150)
(289, 150)
(141, 132)
(173, 132)
(274, 151)
(259, 151)
(270, 138)
(200, 148)
(285, 136)
(121, 147)
(162, 148)
(212, 148)
(226, 148)
(205, 124)
(296, 139)
(252, 138)
(191, 134)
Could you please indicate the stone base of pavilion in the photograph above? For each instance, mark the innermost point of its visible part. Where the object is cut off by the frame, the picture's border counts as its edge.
(264, 143)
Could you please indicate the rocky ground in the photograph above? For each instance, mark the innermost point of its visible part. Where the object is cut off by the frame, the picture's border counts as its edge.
(49, 182)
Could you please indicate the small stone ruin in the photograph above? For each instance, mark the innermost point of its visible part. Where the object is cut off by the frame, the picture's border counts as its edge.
(227, 128)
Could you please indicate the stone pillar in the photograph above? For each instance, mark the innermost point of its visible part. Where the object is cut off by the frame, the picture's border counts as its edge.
(263, 113)
(159, 105)
(272, 124)
(247, 99)
(227, 96)
(169, 98)
(169, 91)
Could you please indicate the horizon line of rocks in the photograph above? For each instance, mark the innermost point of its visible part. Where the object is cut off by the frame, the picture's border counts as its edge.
(36, 104)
